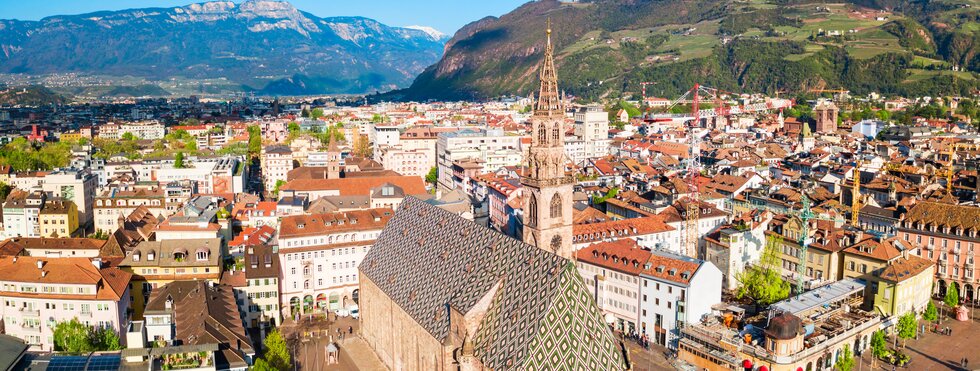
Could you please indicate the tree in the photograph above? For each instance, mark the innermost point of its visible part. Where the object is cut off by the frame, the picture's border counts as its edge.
(279, 184)
(762, 282)
(362, 147)
(262, 365)
(931, 314)
(907, 327)
(316, 113)
(105, 339)
(5, 190)
(254, 141)
(276, 351)
(433, 175)
(179, 160)
(128, 136)
(879, 346)
(293, 127)
(72, 336)
(952, 298)
(845, 360)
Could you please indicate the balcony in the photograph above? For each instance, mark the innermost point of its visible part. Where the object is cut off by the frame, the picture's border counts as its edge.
(30, 312)
(31, 329)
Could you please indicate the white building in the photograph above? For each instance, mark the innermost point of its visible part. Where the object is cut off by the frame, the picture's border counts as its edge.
(277, 161)
(733, 247)
(319, 255)
(675, 289)
(38, 293)
(869, 128)
(21, 214)
(142, 130)
(592, 127)
(492, 146)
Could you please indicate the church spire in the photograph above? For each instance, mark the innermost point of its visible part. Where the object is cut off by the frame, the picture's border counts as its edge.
(549, 101)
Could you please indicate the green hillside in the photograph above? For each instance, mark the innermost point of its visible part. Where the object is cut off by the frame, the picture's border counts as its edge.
(605, 48)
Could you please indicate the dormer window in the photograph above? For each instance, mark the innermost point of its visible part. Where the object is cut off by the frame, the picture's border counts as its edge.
(301, 226)
(660, 269)
(136, 256)
(151, 255)
(672, 271)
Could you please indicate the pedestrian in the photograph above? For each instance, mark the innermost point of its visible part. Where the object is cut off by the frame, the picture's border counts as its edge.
(350, 329)
(966, 363)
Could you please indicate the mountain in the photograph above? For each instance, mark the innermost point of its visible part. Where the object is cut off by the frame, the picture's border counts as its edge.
(606, 48)
(268, 46)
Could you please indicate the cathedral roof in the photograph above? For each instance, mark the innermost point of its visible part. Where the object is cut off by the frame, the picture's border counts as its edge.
(428, 259)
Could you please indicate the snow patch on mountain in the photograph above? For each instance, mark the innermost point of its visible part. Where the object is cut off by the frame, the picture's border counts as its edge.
(432, 32)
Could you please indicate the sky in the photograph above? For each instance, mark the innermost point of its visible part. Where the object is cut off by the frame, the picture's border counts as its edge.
(444, 15)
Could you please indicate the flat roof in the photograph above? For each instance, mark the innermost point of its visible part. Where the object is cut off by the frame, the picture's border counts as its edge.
(817, 297)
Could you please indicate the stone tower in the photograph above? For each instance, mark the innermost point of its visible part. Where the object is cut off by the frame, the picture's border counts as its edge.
(548, 203)
(825, 114)
(333, 159)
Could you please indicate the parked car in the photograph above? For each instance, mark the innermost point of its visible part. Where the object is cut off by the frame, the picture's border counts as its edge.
(355, 313)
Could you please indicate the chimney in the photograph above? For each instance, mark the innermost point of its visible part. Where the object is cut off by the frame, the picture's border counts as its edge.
(40, 264)
(44, 273)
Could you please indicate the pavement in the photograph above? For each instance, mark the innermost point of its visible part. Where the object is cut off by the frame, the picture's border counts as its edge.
(308, 340)
(653, 359)
(933, 351)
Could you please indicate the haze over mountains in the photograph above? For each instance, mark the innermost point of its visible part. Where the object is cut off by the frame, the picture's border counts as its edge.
(266, 46)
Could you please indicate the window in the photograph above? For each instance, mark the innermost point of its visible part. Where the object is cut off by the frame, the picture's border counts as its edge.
(556, 205)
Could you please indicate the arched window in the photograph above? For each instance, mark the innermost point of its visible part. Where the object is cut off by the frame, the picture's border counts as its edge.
(556, 134)
(542, 134)
(532, 210)
(556, 206)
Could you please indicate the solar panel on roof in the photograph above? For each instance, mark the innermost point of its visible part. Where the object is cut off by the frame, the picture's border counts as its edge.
(67, 363)
(107, 362)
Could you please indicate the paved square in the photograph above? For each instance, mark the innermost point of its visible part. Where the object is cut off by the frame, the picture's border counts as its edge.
(940, 352)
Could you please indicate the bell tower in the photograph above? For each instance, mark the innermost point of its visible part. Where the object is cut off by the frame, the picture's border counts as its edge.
(548, 203)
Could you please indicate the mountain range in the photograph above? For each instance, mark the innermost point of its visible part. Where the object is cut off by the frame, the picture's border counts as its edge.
(607, 48)
(265, 46)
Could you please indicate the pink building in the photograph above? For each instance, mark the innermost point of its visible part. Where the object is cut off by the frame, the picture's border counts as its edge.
(38, 293)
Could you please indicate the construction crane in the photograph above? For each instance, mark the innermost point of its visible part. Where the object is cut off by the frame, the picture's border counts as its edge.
(947, 171)
(805, 215)
(693, 178)
(856, 194)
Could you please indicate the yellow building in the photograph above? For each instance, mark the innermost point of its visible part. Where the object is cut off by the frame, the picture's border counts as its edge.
(72, 137)
(903, 285)
(823, 257)
(157, 263)
(58, 218)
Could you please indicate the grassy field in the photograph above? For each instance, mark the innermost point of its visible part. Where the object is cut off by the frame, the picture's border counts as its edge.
(917, 75)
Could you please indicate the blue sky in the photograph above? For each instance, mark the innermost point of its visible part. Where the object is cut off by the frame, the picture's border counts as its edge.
(444, 15)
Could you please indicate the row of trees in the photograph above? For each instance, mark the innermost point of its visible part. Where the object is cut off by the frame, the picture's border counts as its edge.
(76, 337)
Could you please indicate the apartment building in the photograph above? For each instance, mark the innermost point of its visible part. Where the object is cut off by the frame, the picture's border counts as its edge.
(157, 263)
(38, 293)
(319, 255)
(492, 146)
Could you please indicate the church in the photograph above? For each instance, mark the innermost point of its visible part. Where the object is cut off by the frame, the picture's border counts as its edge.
(438, 292)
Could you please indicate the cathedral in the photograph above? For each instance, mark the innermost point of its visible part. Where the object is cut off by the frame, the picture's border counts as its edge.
(439, 292)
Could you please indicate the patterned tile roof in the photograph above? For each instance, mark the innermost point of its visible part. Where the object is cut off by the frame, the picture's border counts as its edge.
(541, 316)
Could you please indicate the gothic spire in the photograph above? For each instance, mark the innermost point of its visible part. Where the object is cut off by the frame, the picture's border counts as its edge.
(549, 101)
